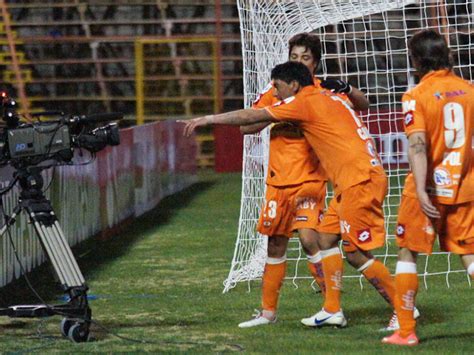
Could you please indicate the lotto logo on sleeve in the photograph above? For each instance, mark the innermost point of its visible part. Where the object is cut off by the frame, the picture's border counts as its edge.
(400, 230)
(364, 235)
(409, 119)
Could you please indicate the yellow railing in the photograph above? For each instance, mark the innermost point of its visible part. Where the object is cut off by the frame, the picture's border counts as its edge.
(144, 76)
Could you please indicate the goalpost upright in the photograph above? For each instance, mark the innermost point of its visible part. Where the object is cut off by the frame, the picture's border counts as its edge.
(364, 42)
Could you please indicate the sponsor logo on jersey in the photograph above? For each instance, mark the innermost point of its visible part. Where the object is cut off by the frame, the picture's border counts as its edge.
(409, 119)
(442, 95)
(454, 93)
(371, 149)
(364, 235)
(346, 243)
(301, 218)
(428, 229)
(400, 230)
(408, 106)
(442, 177)
(438, 191)
(267, 224)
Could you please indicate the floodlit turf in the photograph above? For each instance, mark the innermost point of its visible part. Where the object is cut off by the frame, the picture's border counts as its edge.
(159, 286)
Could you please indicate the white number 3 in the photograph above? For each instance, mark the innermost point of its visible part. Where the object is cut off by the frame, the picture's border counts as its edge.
(454, 135)
(272, 205)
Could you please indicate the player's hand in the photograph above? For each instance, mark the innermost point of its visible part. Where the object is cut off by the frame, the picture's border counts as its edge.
(427, 206)
(191, 125)
(337, 86)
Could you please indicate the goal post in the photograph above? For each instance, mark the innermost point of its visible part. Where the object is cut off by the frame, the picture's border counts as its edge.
(365, 43)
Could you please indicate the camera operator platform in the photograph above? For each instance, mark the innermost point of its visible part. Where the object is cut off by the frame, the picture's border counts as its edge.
(25, 147)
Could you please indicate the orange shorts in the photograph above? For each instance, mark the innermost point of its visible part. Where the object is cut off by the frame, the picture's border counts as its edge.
(292, 207)
(455, 228)
(357, 214)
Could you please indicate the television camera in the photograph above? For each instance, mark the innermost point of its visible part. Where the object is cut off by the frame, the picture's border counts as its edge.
(30, 148)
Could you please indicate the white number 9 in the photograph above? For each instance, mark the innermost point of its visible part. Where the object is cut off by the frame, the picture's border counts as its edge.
(454, 135)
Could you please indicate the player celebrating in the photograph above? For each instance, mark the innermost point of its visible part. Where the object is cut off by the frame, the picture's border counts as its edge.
(347, 154)
(296, 184)
(439, 192)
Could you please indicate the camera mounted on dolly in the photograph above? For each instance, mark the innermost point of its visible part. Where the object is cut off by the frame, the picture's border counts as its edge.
(30, 148)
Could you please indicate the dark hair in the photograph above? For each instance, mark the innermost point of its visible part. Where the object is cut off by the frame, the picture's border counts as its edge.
(293, 71)
(308, 40)
(430, 51)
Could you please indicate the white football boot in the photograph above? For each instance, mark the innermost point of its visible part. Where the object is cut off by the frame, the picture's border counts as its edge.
(393, 325)
(258, 319)
(323, 318)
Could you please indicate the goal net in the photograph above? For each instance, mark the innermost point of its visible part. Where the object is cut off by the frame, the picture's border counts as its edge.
(364, 42)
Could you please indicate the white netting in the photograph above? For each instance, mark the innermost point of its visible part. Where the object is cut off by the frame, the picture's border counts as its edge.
(364, 42)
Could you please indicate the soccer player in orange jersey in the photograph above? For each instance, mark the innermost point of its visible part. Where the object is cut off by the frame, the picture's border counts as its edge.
(347, 153)
(296, 184)
(438, 197)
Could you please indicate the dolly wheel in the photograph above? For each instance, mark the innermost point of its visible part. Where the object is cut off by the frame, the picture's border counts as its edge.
(79, 332)
(65, 325)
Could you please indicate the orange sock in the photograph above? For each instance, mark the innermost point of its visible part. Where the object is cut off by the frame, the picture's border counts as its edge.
(378, 275)
(333, 268)
(406, 283)
(273, 276)
(315, 266)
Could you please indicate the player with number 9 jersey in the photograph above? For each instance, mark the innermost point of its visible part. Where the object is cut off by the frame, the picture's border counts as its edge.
(441, 106)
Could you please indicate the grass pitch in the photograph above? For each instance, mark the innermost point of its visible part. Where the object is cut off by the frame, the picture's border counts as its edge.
(157, 287)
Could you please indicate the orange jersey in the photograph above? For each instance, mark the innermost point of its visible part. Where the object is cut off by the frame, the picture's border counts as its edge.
(442, 106)
(291, 159)
(341, 141)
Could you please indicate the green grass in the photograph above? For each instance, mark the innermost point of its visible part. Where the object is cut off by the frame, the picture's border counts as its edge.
(159, 284)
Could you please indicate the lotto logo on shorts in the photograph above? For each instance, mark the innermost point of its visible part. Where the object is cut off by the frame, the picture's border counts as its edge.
(321, 215)
(400, 230)
(364, 236)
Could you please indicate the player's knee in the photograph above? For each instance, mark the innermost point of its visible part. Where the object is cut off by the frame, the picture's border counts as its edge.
(277, 246)
(357, 259)
(328, 241)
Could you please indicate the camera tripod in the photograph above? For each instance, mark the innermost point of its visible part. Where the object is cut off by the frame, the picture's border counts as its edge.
(76, 312)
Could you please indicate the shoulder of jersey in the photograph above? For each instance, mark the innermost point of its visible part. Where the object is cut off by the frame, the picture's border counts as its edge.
(263, 92)
(285, 101)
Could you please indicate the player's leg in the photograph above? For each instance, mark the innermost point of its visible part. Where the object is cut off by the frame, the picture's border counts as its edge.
(309, 202)
(374, 271)
(273, 275)
(415, 234)
(331, 259)
(362, 216)
(275, 220)
(272, 280)
(309, 239)
(331, 313)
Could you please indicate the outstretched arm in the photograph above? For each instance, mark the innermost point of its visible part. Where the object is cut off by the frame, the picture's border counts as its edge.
(236, 118)
(419, 166)
(253, 128)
